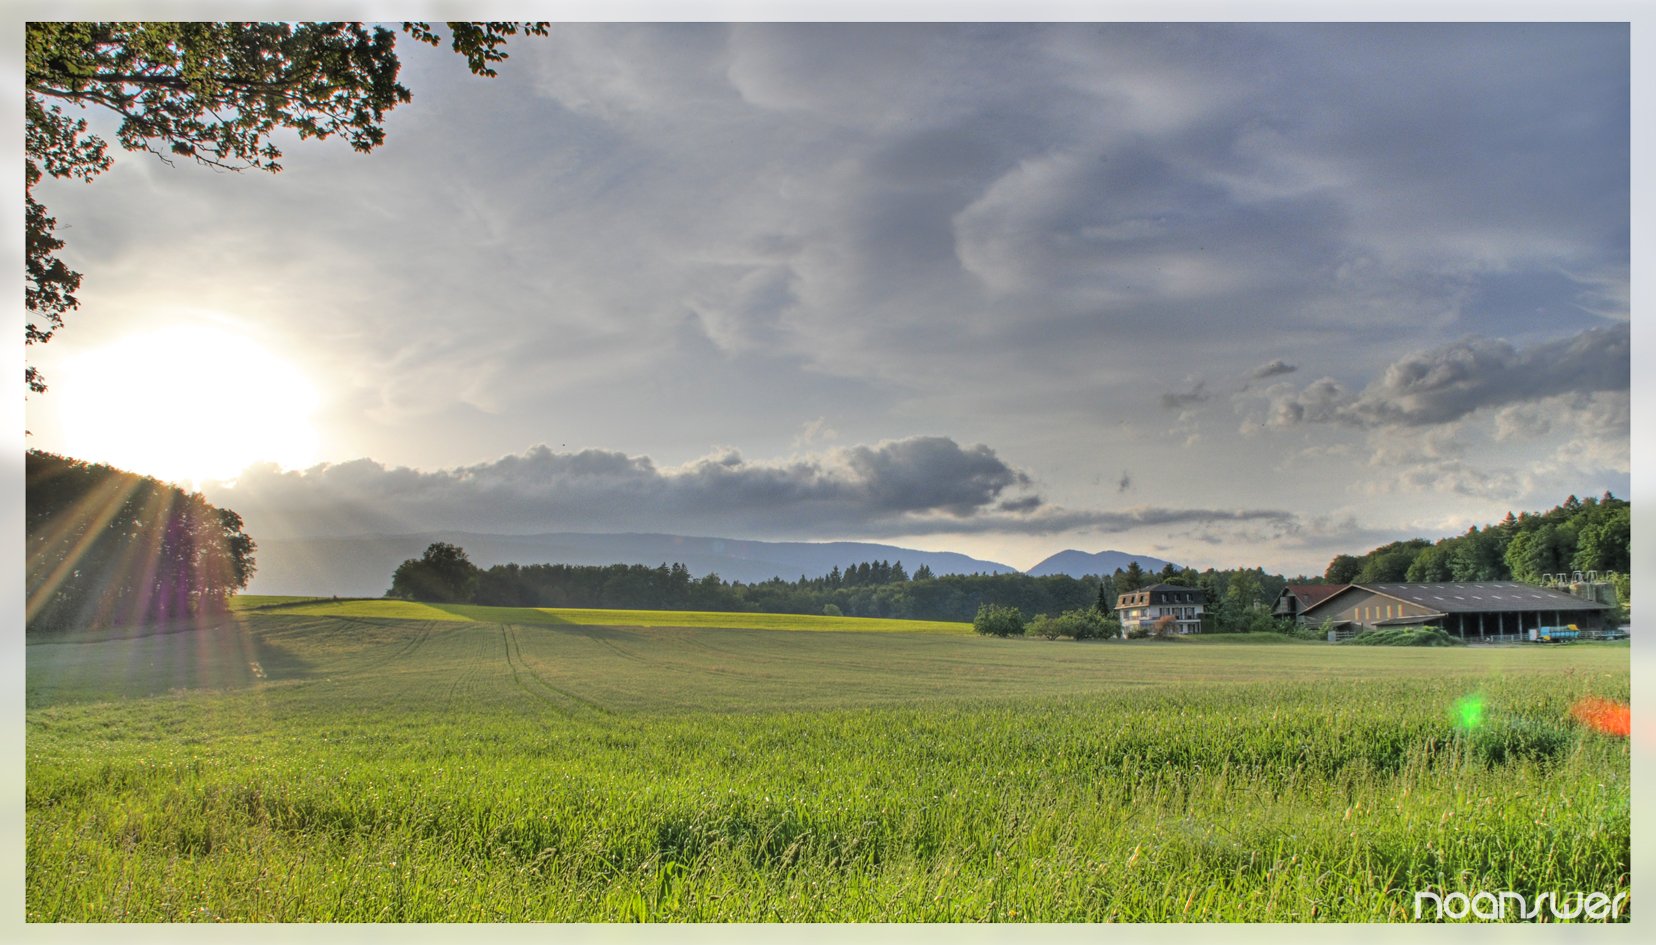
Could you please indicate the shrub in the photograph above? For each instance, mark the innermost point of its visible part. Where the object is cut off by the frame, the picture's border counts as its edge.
(1165, 628)
(1405, 636)
(1083, 624)
(1088, 624)
(1304, 632)
(832, 610)
(996, 620)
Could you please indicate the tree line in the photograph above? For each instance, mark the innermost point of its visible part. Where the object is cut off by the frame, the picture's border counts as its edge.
(1576, 535)
(866, 589)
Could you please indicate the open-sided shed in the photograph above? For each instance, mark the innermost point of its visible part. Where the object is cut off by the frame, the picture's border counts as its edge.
(1473, 610)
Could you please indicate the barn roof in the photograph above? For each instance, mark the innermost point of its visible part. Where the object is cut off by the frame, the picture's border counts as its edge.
(1310, 595)
(1473, 597)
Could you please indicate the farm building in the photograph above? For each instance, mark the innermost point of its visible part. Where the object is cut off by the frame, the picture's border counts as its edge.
(1295, 598)
(1145, 606)
(1472, 610)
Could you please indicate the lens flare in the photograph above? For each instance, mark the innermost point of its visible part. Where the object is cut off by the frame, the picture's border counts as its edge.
(1604, 715)
(1469, 711)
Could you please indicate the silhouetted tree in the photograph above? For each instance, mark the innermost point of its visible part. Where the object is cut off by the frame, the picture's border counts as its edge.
(443, 574)
(107, 547)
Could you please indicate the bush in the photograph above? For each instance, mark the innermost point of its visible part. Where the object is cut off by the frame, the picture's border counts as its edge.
(1405, 636)
(832, 610)
(998, 621)
(1088, 624)
(1082, 624)
(1301, 631)
(1045, 627)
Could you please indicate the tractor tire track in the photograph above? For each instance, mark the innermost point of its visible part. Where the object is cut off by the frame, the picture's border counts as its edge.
(535, 685)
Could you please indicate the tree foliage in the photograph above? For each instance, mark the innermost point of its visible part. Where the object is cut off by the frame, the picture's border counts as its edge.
(995, 620)
(214, 93)
(444, 574)
(1576, 535)
(106, 547)
(1084, 623)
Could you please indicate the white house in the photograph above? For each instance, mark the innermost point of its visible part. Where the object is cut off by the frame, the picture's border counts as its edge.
(1145, 606)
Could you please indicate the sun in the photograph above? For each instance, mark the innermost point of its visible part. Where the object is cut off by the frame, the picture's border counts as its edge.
(188, 404)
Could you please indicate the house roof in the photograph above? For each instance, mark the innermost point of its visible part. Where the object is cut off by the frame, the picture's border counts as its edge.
(1162, 590)
(1310, 595)
(1470, 597)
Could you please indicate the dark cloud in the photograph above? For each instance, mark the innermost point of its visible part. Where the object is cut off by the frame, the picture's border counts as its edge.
(1273, 369)
(1049, 520)
(922, 485)
(1179, 401)
(1447, 384)
(843, 491)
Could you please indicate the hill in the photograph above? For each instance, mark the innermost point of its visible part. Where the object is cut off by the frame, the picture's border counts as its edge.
(361, 566)
(1081, 564)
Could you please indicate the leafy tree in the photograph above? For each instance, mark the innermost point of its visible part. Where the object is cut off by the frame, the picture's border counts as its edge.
(1479, 555)
(1045, 626)
(1605, 544)
(1082, 623)
(1432, 564)
(1245, 590)
(215, 93)
(109, 547)
(443, 574)
(1390, 563)
(1343, 569)
(1544, 550)
(996, 620)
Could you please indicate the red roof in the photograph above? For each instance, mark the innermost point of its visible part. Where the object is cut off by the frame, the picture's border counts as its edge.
(1310, 595)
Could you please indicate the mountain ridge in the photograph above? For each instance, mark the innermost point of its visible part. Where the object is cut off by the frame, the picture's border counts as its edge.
(1081, 564)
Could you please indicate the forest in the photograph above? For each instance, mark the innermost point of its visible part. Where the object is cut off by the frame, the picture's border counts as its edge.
(1576, 535)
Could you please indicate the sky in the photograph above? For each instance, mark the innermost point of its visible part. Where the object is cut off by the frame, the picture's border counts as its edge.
(1230, 295)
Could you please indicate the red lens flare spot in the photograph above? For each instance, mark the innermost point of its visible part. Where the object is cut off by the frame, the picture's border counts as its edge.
(1604, 715)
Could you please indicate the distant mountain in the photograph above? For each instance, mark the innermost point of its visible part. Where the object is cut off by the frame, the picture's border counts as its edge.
(361, 566)
(1080, 564)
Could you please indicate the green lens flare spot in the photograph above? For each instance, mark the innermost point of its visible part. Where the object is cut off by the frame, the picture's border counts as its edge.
(1469, 711)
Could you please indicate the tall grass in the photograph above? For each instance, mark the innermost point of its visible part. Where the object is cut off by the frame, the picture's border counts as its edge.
(395, 771)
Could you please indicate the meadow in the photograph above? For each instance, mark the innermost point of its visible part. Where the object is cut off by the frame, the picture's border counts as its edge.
(351, 761)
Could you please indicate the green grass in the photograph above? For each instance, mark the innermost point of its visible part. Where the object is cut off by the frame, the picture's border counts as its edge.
(587, 617)
(296, 766)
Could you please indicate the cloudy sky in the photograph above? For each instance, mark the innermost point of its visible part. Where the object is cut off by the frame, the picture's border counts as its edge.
(1225, 294)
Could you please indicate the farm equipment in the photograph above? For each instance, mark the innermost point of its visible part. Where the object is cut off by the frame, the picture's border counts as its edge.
(1555, 634)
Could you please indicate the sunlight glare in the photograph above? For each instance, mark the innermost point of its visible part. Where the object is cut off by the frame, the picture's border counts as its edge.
(188, 404)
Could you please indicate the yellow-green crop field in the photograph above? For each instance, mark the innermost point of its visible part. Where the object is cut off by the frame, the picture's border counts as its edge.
(358, 761)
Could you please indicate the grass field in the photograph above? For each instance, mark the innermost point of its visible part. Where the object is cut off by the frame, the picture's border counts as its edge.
(327, 762)
(586, 617)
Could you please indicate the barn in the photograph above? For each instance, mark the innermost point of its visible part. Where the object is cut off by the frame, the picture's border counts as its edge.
(1295, 598)
(1472, 610)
